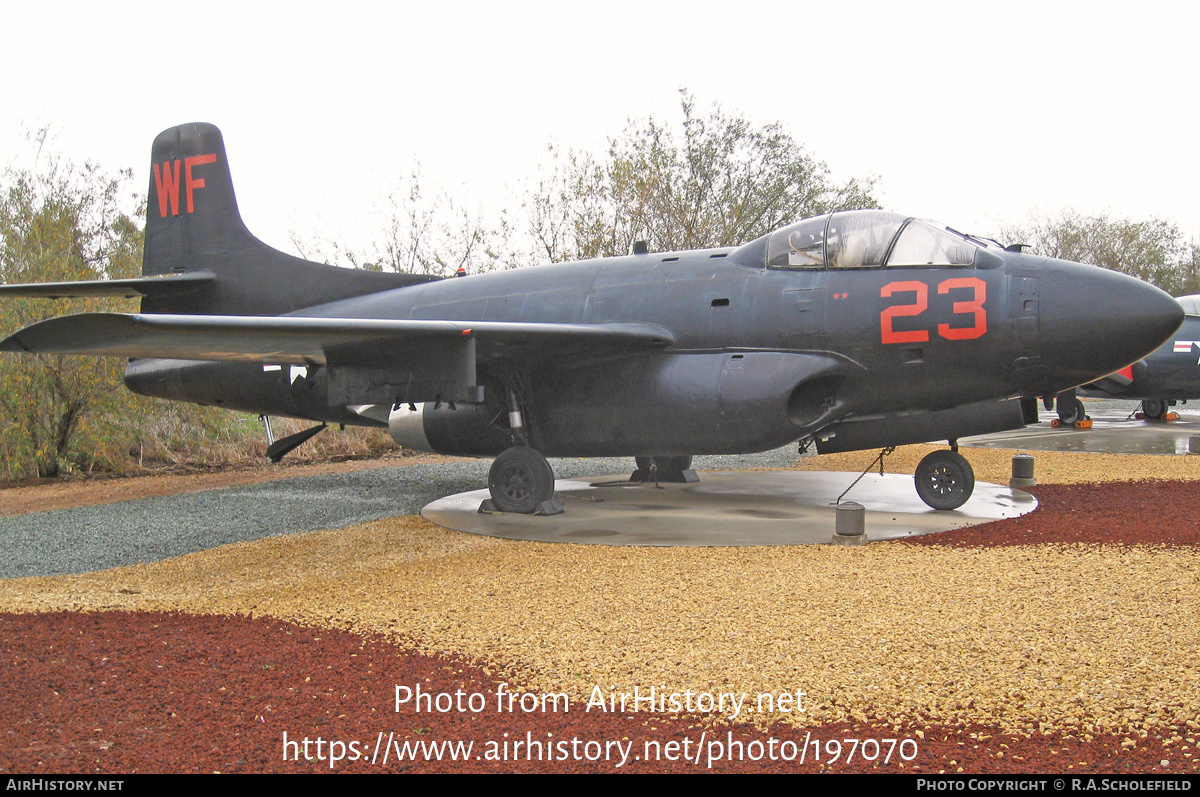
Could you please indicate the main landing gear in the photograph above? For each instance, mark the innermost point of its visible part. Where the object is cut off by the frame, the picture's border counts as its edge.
(944, 479)
(520, 480)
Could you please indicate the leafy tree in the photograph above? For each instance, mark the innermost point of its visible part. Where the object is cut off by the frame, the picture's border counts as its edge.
(59, 221)
(714, 180)
(1154, 250)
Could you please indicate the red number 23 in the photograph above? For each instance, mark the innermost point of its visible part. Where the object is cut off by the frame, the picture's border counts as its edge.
(973, 306)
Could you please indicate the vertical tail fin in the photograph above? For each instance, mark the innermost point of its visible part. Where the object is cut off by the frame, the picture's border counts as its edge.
(191, 212)
(193, 225)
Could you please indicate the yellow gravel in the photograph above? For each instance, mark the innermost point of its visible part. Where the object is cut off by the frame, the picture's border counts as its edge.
(1089, 638)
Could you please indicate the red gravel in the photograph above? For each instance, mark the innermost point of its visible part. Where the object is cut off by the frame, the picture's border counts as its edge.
(123, 693)
(1121, 513)
(143, 692)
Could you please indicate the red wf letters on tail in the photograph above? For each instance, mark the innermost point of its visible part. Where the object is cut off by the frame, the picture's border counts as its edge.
(166, 182)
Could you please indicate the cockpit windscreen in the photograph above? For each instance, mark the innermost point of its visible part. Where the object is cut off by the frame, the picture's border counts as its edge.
(867, 239)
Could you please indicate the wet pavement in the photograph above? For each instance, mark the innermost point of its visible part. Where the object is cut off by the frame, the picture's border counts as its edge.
(1114, 431)
(733, 508)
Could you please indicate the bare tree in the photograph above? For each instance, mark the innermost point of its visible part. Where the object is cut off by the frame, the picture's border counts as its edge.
(421, 231)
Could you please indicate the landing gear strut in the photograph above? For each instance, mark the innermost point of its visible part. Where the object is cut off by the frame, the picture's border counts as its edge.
(944, 480)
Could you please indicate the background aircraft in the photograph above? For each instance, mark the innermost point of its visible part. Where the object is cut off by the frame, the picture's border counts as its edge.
(849, 331)
(1169, 374)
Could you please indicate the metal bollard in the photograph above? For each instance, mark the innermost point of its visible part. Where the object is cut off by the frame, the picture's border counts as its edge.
(1022, 471)
(849, 524)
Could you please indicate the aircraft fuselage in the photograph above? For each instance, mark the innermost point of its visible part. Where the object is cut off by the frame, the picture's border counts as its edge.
(762, 356)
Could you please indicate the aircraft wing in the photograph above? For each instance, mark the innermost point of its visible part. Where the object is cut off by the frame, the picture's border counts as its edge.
(302, 340)
(126, 288)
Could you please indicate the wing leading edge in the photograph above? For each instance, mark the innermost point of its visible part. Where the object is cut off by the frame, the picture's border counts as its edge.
(368, 360)
(321, 341)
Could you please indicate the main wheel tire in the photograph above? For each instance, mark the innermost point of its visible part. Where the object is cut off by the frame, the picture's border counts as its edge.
(944, 480)
(1154, 409)
(674, 465)
(520, 480)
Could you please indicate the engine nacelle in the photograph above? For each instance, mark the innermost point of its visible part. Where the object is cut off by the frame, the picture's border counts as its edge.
(467, 430)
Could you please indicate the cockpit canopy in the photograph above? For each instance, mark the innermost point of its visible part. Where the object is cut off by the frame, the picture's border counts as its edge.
(1191, 304)
(867, 238)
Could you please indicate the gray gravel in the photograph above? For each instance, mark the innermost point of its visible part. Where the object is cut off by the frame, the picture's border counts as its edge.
(151, 529)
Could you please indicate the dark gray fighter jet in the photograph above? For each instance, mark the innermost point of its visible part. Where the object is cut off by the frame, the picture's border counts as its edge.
(1168, 375)
(849, 331)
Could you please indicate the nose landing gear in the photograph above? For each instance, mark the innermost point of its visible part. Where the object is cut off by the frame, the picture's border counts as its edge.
(944, 479)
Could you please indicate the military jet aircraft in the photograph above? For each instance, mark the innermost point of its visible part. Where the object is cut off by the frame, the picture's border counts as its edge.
(849, 331)
(1169, 374)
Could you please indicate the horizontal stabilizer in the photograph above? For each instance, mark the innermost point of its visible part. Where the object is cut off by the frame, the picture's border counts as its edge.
(301, 340)
(155, 287)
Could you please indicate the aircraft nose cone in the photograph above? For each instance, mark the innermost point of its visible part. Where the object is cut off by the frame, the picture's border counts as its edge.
(1095, 321)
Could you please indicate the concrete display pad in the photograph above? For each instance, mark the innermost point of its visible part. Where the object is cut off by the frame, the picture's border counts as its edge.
(734, 508)
(1112, 432)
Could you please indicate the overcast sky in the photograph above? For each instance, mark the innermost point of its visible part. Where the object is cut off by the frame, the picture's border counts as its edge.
(972, 114)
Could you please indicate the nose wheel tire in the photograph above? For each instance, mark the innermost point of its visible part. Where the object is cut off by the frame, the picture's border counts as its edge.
(944, 480)
(1070, 411)
(520, 480)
